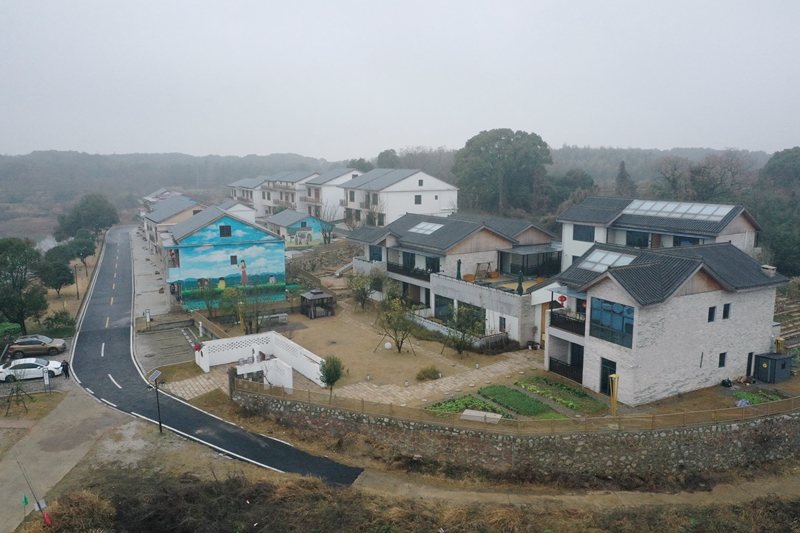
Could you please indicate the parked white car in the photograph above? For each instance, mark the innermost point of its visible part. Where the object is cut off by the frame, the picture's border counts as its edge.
(29, 368)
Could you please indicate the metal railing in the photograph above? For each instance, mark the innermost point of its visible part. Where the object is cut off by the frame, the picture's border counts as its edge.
(412, 272)
(574, 373)
(569, 321)
(310, 199)
(519, 426)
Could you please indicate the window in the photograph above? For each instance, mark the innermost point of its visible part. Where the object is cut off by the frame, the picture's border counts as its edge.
(432, 264)
(575, 259)
(309, 191)
(375, 253)
(234, 260)
(582, 233)
(375, 198)
(639, 239)
(502, 324)
(381, 219)
(425, 228)
(358, 216)
(309, 210)
(224, 231)
(304, 224)
(269, 196)
(712, 314)
(352, 196)
(685, 241)
(420, 183)
(263, 195)
(436, 197)
(726, 311)
(612, 322)
(195, 211)
(281, 196)
(722, 358)
(417, 199)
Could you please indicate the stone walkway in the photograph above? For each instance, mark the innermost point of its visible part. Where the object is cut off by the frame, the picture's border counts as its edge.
(199, 385)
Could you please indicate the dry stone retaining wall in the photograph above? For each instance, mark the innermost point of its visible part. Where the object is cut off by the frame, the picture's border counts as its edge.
(690, 450)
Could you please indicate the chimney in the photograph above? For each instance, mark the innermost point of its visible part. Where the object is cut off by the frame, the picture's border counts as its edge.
(768, 271)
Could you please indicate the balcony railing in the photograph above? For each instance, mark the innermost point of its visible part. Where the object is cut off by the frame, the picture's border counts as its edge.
(410, 272)
(310, 200)
(364, 205)
(569, 321)
(343, 203)
(575, 373)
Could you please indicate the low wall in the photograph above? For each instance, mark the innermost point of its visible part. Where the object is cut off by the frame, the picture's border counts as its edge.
(691, 450)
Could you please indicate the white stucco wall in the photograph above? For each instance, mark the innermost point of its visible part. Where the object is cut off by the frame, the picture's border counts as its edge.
(572, 247)
(468, 262)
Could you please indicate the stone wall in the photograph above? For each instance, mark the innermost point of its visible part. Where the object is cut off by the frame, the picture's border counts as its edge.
(321, 256)
(690, 450)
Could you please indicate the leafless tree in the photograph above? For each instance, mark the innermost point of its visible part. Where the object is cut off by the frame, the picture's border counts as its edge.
(327, 221)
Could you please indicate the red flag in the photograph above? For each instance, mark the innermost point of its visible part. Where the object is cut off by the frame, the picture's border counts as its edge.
(47, 519)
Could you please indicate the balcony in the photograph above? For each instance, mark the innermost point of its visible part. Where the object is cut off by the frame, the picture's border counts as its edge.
(568, 321)
(246, 200)
(343, 203)
(310, 200)
(364, 205)
(411, 272)
(572, 372)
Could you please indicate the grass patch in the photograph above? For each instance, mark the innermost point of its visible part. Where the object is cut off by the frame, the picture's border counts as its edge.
(456, 405)
(516, 401)
(38, 408)
(755, 399)
(181, 371)
(429, 372)
(568, 396)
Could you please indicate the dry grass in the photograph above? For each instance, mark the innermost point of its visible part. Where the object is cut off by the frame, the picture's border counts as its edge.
(80, 511)
(180, 371)
(38, 408)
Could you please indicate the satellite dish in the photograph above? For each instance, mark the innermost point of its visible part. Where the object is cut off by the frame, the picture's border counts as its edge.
(388, 345)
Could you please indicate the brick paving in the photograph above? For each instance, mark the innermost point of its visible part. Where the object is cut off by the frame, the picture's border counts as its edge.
(199, 385)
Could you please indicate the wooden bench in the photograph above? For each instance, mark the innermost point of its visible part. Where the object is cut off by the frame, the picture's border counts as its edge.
(480, 416)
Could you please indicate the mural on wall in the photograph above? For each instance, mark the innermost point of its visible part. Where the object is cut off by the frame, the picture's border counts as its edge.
(305, 233)
(225, 254)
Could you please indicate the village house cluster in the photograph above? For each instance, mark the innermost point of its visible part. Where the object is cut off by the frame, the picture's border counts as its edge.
(668, 296)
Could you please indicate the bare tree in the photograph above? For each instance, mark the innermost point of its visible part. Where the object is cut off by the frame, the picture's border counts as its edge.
(674, 171)
(327, 221)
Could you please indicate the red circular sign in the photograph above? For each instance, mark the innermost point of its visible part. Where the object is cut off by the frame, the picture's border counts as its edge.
(562, 298)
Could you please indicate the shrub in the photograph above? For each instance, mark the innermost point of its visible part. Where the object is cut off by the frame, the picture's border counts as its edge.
(517, 401)
(59, 320)
(429, 372)
(9, 329)
(756, 399)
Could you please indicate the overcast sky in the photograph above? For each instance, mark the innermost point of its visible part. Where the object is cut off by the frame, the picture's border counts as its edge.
(341, 79)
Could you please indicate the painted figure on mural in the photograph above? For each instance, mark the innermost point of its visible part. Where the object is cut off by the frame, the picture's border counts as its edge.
(243, 268)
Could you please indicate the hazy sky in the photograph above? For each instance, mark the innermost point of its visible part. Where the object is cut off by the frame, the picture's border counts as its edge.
(341, 79)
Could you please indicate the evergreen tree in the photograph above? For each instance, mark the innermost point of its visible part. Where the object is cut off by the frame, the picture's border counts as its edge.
(625, 186)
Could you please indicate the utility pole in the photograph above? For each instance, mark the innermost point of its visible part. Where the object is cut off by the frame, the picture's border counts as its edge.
(77, 293)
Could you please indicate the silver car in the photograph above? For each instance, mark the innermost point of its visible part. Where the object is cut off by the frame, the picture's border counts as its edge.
(29, 368)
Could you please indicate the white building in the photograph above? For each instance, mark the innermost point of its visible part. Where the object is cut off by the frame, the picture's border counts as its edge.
(665, 320)
(381, 196)
(323, 198)
(480, 261)
(166, 214)
(265, 194)
(654, 224)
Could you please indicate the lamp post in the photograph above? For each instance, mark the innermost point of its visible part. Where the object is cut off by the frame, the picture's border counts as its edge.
(75, 270)
(154, 377)
(613, 383)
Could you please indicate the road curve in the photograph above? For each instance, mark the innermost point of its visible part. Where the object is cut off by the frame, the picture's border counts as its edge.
(103, 362)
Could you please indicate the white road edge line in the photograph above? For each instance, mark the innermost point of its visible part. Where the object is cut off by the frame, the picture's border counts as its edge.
(106, 401)
(223, 450)
(87, 389)
(114, 382)
(103, 350)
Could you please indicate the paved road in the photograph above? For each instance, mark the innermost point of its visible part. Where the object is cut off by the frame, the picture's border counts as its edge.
(103, 363)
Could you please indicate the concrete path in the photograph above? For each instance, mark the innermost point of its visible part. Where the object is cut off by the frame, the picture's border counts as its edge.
(52, 447)
(191, 388)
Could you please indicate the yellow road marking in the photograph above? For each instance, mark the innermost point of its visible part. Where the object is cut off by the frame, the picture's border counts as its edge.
(107, 318)
(112, 300)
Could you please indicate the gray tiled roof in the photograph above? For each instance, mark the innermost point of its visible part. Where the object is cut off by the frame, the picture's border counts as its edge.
(289, 176)
(655, 274)
(200, 220)
(332, 174)
(287, 217)
(247, 183)
(451, 232)
(609, 212)
(156, 193)
(170, 207)
(368, 234)
(379, 178)
(507, 226)
(203, 219)
(227, 204)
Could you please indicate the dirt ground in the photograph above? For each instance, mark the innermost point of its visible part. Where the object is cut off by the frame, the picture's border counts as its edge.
(15, 424)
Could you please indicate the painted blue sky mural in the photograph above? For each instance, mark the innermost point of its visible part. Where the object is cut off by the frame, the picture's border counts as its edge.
(207, 254)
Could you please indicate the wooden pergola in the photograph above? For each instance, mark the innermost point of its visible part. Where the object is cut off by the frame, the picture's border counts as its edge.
(317, 303)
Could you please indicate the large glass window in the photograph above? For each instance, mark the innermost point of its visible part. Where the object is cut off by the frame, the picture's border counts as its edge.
(612, 322)
(582, 233)
(375, 253)
(639, 239)
(432, 264)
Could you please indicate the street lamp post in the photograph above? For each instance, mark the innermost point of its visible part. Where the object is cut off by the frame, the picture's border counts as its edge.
(75, 270)
(154, 377)
(613, 382)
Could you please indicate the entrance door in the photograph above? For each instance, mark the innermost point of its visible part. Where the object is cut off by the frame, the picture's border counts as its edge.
(606, 369)
(749, 364)
(576, 356)
(409, 260)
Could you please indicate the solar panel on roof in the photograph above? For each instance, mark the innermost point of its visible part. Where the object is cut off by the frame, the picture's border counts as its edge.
(685, 210)
(600, 260)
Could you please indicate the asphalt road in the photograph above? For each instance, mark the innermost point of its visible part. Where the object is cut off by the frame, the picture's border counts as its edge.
(103, 363)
